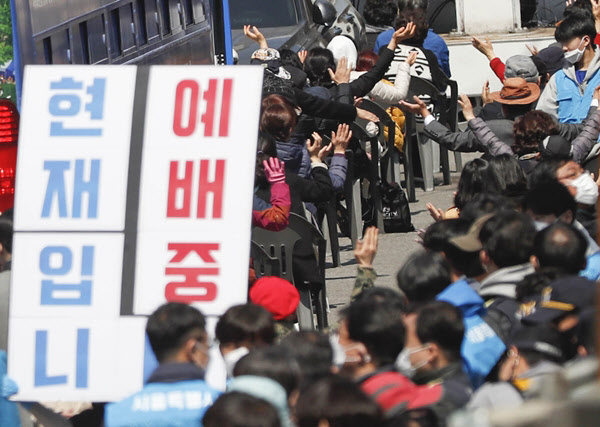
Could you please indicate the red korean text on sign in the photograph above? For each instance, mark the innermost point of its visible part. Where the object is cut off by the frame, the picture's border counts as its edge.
(187, 94)
(196, 284)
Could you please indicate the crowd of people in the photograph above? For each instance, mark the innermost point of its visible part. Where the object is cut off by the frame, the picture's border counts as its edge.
(499, 302)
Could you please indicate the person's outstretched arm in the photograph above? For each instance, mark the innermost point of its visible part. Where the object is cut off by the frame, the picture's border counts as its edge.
(365, 252)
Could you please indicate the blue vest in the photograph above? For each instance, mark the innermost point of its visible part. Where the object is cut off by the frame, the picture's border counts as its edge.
(177, 404)
(573, 106)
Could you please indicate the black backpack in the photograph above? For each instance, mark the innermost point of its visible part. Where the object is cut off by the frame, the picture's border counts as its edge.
(394, 206)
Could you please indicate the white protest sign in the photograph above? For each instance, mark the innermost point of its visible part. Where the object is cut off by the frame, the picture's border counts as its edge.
(94, 142)
(196, 188)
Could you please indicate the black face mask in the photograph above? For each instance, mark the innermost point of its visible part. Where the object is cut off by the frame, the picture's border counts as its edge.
(569, 343)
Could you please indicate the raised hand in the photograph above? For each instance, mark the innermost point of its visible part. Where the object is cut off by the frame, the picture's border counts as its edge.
(485, 93)
(366, 249)
(341, 138)
(436, 214)
(419, 107)
(302, 55)
(366, 115)
(411, 58)
(274, 170)
(467, 107)
(342, 72)
(484, 46)
(314, 147)
(253, 33)
(401, 34)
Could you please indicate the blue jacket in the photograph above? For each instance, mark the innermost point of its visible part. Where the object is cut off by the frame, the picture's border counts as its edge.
(432, 42)
(175, 395)
(481, 347)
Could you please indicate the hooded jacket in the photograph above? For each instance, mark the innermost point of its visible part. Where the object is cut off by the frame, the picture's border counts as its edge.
(565, 98)
(481, 347)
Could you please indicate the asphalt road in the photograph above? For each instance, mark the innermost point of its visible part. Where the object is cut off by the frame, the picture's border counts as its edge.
(393, 249)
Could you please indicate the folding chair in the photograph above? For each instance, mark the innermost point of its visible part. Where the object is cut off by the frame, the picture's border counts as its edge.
(280, 245)
(309, 232)
(353, 200)
(263, 263)
(390, 159)
(446, 112)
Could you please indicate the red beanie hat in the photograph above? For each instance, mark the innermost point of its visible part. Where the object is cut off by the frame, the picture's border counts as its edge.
(275, 294)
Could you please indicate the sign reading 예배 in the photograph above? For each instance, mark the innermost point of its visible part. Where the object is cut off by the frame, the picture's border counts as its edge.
(134, 188)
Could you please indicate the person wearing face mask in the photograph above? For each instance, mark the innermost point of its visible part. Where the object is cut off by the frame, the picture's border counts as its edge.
(548, 203)
(177, 335)
(372, 335)
(535, 352)
(240, 329)
(580, 183)
(431, 354)
(568, 94)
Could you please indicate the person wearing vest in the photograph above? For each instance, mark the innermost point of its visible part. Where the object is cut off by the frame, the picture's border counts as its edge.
(175, 394)
(568, 95)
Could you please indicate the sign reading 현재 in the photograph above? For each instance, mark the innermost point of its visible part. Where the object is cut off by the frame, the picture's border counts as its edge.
(134, 188)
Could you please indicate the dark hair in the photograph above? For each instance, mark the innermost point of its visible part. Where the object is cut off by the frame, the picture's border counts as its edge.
(279, 120)
(423, 276)
(171, 325)
(442, 323)
(561, 246)
(531, 129)
(545, 171)
(313, 353)
(550, 198)
(338, 400)
(366, 60)
(514, 111)
(316, 64)
(266, 147)
(235, 409)
(289, 57)
(412, 4)
(483, 204)
(532, 285)
(466, 263)
(417, 17)
(576, 25)
(510, 176)
(272, 362)
(379, 326)
(507, 237)
(246, 322)
(582, 7)
(380, 13)
(477, 177)
(6, 232)
(381, 294)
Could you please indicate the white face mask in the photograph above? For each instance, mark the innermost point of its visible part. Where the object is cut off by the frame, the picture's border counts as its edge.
(232, 358)
(574, 56)
(587, 189)
(403, 363)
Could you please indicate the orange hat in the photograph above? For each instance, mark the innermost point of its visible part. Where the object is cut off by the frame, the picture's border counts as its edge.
(278, 296)
(517, 91)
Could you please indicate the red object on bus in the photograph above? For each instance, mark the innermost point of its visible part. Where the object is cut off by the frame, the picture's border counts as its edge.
(9, 134)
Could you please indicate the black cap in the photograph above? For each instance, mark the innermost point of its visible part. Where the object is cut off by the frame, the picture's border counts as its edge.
(553, 58)
(542, 339)
(555, 146)
(567, 295)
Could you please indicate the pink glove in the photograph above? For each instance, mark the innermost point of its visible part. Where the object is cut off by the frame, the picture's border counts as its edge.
(274, 170)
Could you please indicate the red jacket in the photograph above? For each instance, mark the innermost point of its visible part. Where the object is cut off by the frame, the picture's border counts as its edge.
(395, 393)
(277, 217)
